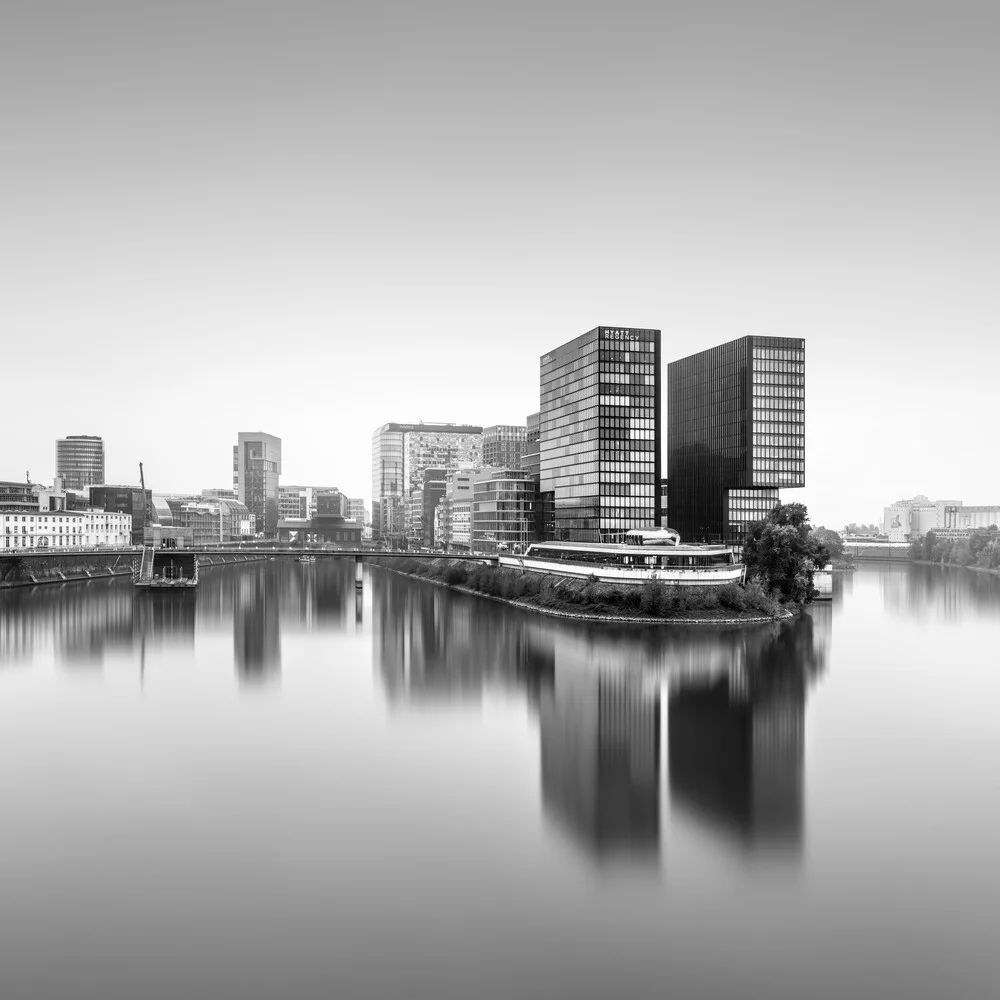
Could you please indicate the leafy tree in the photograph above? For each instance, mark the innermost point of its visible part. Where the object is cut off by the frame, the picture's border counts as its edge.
(783, 552)
(832, 540)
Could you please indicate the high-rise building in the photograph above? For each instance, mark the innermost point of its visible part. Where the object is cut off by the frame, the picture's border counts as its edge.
(531, 456)
(503, 445)
(400, 455)
(736, 435)
(256, 468)
(80, 461)
(600, 433)
(503, 510)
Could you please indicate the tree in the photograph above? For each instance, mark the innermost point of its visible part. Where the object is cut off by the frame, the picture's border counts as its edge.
(832, 540)
(783, 553)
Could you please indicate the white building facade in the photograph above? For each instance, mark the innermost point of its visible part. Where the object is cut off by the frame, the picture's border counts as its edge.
(64, 529)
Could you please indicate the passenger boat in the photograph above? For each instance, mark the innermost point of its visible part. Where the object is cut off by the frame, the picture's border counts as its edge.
(306, 559)
(643, 554)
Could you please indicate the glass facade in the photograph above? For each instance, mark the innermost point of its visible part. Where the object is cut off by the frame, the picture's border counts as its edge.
(503, 445)
(80, 461)
(503, 511)
(600, 438)
(401, 453)
(258, 466)
(736, 418)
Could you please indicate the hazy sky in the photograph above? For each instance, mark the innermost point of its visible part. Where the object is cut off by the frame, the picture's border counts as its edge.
(312, 218)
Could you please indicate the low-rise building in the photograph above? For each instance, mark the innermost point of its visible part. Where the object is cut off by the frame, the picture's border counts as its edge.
(61, 529)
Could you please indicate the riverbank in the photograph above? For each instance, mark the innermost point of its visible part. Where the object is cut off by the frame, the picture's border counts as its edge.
(947, 565)
(36, 569)
(587, 600)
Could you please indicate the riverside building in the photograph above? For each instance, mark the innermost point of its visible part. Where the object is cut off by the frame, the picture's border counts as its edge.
(256, 468)
(599, 451)
(401, 453)
(65, 529)
(80, 461)
(736, 418)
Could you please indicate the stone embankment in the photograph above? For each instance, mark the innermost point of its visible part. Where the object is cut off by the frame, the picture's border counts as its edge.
(32, 569)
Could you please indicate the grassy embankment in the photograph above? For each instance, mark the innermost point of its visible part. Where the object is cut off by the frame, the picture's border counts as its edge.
(588, 597)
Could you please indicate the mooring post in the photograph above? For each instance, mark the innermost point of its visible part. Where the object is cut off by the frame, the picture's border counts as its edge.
(359, 578)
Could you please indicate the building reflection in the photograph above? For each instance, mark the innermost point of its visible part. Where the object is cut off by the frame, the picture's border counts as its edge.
(737, 740)
(600, 748)
(434, 646)
(599, 724)
(256, 633)
(85, 622)
(935, 593)
(735, 717)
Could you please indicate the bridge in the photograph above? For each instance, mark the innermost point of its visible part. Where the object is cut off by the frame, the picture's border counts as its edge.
(31, 567)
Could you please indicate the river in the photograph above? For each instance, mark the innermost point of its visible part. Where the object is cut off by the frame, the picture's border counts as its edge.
(274, 787)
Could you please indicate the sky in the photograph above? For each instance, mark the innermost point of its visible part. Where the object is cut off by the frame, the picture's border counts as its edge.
(314, 218)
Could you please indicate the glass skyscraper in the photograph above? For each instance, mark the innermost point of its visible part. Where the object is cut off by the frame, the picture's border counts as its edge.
(80, 461)
(600, 433)
(736, 435)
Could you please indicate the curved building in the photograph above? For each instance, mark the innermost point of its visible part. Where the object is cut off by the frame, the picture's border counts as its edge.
(80, 461)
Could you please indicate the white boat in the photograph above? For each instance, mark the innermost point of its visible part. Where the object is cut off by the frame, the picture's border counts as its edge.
(644, 554)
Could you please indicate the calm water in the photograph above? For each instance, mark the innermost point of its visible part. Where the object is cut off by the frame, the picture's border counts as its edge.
(269, 788)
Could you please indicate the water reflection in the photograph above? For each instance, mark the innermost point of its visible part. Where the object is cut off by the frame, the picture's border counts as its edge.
(600, 748)
(256, 629)
(737, 742)
(83, 623)
(935, 593)
(735, 716)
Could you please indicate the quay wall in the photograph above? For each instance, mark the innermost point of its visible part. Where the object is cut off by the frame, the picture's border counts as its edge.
(34, 569)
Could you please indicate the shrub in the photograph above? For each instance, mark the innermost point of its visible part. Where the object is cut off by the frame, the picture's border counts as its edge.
(651, 597)
(456, 573)
(732, 596)
(759, 599)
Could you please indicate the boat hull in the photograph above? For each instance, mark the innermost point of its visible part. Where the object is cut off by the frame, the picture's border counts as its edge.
(709, 576)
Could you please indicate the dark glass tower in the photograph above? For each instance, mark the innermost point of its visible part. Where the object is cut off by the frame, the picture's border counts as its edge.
(600, 433)
(736, 417)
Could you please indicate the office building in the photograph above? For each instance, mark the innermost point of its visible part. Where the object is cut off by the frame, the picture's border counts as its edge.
(14, 495)
(401, 453)
(80, 461)
(123, 500)
(503, 445)
(256, 468)
(736, 435)
(357, 511)
(292, 502)
(531, 455)
(455, 509)
(503, 510)
(211, 521)
(600, 437)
